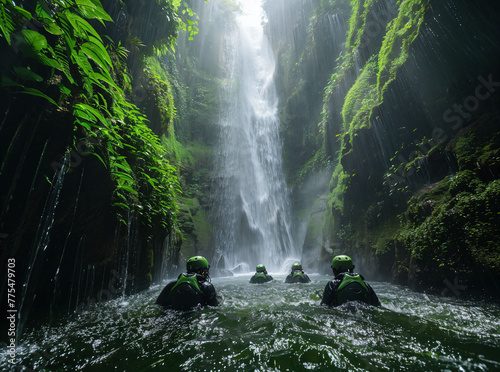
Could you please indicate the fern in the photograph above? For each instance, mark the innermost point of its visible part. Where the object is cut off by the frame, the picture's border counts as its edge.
(92, 9)
(6, 22)
(79, 63)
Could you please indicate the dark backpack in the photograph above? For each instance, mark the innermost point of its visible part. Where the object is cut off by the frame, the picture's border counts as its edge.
(352, 288)
(186, 293)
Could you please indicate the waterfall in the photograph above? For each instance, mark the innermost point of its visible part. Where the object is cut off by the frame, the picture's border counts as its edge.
(252, 207)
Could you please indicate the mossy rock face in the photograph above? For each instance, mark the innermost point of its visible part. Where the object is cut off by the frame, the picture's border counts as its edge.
(204, 233)
(477, 147)
(314, 235)
(401, 33)
(454, 234)
(361, 98)
(385, 96)
(197, 230)
(465, 181)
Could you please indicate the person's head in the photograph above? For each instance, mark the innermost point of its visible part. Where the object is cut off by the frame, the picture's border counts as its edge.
(296, 266)
(342, 264)
(261, 269)
(198, 265)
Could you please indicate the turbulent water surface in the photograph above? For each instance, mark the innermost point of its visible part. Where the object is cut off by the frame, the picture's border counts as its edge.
(271, 327)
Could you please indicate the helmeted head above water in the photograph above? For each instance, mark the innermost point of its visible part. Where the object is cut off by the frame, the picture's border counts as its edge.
(342, 263)
(197, 264)
(261, 268)
(297, 266)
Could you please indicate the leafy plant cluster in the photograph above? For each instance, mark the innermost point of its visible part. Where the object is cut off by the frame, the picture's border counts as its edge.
(361, 99)
(159, 91)
(52, 51)
(450, 229)
(401, 33)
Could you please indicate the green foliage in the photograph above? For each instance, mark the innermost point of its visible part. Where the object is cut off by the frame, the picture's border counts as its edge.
(159, 91)
(366, 93)
(319, 162)
(361, 99)
(357, 23)
(450, 226)
(12, 17)
(338, 185)
(175, 151)
(197, 99)
(66, 53)
(401, 33)
(455, 231)
(380, 70)
(478, 145)
(77, 53)
(146, 182)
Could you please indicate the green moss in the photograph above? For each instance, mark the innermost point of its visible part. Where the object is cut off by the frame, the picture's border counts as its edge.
(357, 22)
(379, 71)
(159, 90)
(381, 235)
(338, 185)
(465, 181)
(477, 146)
(416, 159)
(197, 229)
(203, 228)
(455, 233)
(401, 33)
(177, 153)
(201, 155)
(318, 163)
(361, 99)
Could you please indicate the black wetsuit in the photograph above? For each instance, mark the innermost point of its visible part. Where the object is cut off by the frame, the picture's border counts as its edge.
(187, 292)
(348, 287)
(261, 278)
(297, 276)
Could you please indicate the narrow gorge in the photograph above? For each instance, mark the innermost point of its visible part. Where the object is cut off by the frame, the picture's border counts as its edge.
(136, 134)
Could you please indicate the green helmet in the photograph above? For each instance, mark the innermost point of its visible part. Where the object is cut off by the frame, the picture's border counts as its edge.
(342, 263)
(297, 266)
(195, 263)
(261, 268)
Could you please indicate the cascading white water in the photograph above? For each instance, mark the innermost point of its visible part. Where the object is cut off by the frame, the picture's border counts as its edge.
(252, 222)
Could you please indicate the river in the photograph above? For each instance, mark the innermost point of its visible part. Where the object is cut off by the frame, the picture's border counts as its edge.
(270, 327)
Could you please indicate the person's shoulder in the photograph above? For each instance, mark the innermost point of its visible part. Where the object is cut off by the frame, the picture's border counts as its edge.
(357, 274)
(171, 283)
(335, 282)
(206, 284)
(180, 276)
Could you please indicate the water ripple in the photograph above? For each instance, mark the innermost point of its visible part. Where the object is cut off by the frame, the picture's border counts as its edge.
(272, 327)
